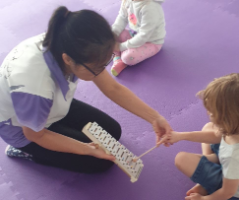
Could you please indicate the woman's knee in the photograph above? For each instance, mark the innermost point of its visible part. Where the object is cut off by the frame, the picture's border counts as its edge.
(103, 166)
(117, 130)
(112, 127)
(90, 165)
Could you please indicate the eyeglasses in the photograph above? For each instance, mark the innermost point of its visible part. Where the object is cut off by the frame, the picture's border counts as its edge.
(96, 74)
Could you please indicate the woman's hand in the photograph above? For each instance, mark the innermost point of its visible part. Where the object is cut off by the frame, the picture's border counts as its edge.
(161, 128)
(98, 152)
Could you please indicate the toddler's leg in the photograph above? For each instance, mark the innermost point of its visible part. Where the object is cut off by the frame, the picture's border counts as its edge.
(124, 36)
(187, 162)
(203, 170)
(118, 64)
(137, 55)
(206, 151)
(134, 56)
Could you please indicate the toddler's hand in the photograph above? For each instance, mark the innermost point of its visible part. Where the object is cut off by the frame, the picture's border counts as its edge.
(164, 140)
(174, 137)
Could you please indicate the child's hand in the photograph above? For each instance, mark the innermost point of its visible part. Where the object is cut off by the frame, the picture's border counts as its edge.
(194, 196)
(164, 140)
(174, 137)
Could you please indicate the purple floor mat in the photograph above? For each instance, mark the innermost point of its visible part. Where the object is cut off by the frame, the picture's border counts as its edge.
(202, 43)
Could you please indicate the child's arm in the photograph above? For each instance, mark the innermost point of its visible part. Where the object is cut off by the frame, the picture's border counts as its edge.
(209, 137)
(229, 188)
(149, 21)
(121, 20)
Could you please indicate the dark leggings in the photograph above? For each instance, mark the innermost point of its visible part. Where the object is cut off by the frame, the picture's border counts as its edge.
(71, 125)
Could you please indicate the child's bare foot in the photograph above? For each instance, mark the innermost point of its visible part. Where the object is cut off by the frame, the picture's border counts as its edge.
(197, 189)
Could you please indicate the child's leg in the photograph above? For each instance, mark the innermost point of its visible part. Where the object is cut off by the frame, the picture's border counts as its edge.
(203, 170)
(124, 36)
(187, 162)
(207, 151)
(118, 64)
(137, 55)
(188, 169)
(134, 56)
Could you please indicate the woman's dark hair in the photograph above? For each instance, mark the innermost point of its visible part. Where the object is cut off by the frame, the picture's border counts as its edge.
(84, 35)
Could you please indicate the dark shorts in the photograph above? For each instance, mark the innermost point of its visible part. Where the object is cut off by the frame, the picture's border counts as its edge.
(215, 148)
(208, 174)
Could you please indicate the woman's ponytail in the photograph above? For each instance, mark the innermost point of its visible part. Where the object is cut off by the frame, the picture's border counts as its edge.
(55, 23)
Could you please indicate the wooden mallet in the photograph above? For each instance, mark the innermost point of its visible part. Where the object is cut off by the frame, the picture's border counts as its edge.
(158, 144)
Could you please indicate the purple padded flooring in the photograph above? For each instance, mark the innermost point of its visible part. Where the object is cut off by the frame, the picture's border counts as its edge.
(202, 43)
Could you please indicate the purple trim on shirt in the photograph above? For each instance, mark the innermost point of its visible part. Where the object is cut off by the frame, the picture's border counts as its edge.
(75, 78)
(13, 135)
(56, 72)
(8, 122)
(32, 111)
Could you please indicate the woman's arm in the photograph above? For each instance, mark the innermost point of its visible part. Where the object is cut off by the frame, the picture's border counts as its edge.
(57, 142)
(124, 97)
(129, 101)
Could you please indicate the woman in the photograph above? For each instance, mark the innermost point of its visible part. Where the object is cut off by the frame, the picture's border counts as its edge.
(39, 118)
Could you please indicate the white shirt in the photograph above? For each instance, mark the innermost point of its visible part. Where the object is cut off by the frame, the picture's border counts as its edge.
(229, 159)
(33, 90)
(145, 17)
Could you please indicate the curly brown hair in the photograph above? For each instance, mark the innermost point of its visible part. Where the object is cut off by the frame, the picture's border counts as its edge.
(221, 99)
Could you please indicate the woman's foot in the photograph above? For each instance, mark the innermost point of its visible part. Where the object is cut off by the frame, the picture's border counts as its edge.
(118, 66)
(17, 153)
(197, 189)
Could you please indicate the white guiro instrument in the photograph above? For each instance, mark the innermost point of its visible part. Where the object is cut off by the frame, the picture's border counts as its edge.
(124, 158)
